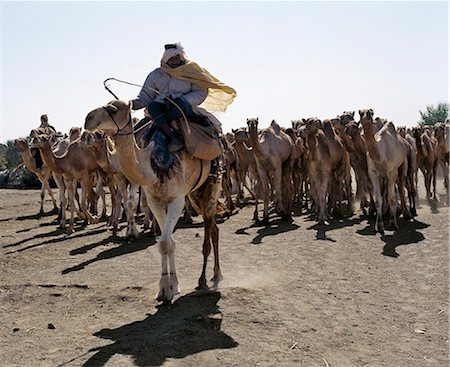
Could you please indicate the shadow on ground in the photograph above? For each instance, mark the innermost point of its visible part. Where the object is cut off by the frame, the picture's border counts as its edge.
(190, 325)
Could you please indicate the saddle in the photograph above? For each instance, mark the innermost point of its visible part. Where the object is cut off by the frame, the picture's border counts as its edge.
(200, 139)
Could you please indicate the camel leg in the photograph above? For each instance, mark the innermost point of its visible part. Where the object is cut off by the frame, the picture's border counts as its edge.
(168, 284)
(433, 175)
(278, 195)
(323, 189)
(85, 186)
(41, 210)
(401, 190)
(50, 193)
(378, 201)
(264, 183)
(71, 186)
(392, 200)
(147, 211)
(131, 206)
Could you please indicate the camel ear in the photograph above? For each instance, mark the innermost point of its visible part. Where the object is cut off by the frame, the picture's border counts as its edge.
(233, 131)
(111, 109)
(353, 113)
(371, 111)
(257, 120)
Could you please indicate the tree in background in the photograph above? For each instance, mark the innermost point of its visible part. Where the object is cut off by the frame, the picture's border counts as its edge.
(9, 155)
(434, 114)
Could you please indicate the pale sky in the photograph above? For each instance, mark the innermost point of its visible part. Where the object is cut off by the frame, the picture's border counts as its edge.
(286, 60)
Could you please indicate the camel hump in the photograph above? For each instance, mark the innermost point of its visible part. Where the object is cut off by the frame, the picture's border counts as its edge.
(275, 127)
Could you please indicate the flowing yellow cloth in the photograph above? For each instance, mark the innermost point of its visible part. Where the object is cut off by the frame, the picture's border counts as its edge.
(219, 96)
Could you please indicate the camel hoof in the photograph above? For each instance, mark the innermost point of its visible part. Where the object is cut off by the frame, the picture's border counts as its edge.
(161, 297)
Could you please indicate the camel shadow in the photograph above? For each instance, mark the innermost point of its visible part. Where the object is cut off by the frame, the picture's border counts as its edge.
(59, 235)
(192, 324)
(38, 215)
(125, 247)
(407, 234)
(322, 229)
(271, 228)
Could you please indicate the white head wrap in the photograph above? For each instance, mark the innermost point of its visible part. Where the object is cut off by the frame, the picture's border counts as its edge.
(171, 52)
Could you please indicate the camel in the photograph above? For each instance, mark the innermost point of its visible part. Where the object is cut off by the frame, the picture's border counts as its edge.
(106, 158)
(387, 162)
(42, 171)
(339, 145)
(165, 195)
(358, 160)
(426, 159)
(442, 151)
(77, 164)
(298, 158)
(247, 163)
(273, 150)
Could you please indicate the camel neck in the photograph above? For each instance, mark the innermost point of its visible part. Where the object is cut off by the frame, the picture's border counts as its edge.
(126, 150)
(371, 143)
(255, 142)
(26, 157)
(49, 158)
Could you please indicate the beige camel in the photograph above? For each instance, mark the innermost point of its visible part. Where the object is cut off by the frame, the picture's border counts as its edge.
(41, 170)
(386, 160)
(166, 197)
(77, 164)
(273, 150)
(426, 158)
(106, 158)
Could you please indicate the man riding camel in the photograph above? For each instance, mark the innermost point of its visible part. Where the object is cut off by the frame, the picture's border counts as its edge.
(181, 87)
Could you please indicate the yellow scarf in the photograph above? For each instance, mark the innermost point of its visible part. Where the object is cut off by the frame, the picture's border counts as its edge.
(219, 96)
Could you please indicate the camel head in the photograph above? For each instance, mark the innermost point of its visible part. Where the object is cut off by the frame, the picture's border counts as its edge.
(21, 144)
(352, 129)
(93, 139)
(366, 117)
(252, 124)
(241, 135)
(417, 132)
(74, 133)
(402, 131)
(41, 141)
(112, 118)
(439, 130)
(346, 117)
(312, 124)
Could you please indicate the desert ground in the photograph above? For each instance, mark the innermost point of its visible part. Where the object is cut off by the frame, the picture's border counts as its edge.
(294, 293)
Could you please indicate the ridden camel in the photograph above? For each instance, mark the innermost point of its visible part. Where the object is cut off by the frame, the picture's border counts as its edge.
(426, 159)
(41, 170)
(166, 196)
(387, 162)
(76, 164)
(273, 150)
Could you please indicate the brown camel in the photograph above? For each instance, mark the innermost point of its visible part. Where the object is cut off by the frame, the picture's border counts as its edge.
(77, 164)
(319, 166)
(273, 150)
(247, 163)
(41, 170)
(426, 158)
(166, 196)
(386, 161)
(442, 151)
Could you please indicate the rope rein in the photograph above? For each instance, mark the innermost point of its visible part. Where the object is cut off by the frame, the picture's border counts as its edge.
(146, 87)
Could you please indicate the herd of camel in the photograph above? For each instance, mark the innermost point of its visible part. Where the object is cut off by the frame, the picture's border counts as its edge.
(310, 163)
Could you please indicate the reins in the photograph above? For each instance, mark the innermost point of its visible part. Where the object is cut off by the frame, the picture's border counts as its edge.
(146, 87)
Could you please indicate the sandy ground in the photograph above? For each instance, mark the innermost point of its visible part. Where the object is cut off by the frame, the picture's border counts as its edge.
(294, 294)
